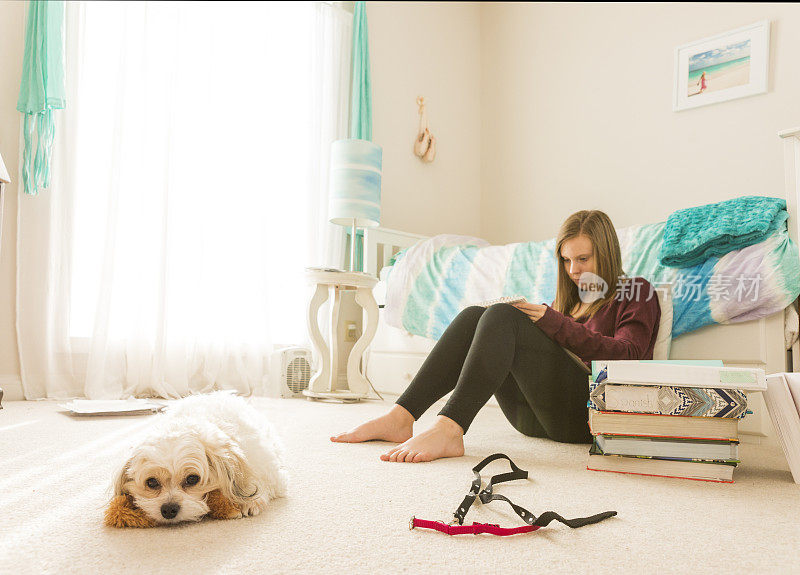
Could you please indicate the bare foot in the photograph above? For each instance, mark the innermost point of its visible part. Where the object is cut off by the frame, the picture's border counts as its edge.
(444, 439)
(396, 426)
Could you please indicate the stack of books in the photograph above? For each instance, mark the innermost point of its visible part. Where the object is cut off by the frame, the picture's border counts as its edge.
(668, 418)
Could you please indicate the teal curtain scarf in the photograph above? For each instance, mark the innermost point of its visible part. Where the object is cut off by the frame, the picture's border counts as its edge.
(42, 89)
(361, 91)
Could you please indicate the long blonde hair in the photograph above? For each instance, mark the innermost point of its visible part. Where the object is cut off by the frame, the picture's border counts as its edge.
(597, 226)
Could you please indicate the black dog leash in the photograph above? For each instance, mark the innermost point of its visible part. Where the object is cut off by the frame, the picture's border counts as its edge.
(457, 527)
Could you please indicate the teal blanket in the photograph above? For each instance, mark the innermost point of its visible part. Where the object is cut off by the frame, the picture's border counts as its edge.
(693, 235)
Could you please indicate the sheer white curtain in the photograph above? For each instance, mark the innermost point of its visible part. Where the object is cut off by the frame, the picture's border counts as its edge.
(189, 191)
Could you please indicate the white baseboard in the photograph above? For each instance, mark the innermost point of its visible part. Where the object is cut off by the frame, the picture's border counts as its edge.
(12, 387)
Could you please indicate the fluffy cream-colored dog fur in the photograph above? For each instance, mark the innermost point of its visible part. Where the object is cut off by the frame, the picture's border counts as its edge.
(201, 444)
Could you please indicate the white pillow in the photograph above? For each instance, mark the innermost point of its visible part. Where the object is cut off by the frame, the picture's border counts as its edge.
(664, 337)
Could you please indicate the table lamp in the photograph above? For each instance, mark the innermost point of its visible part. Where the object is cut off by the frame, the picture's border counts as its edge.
(355, 187)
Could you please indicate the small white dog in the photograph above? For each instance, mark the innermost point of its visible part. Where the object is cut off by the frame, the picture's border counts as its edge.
(203, 443)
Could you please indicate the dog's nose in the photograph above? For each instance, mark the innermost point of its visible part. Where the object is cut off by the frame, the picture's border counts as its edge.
(170, 510)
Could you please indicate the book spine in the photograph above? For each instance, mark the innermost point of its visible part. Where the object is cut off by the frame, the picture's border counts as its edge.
(597, 450)
(656, 475)
(731, 462)
(683, 439)
(643, 373)
(718, 438)
(668, 400)
(599, 426)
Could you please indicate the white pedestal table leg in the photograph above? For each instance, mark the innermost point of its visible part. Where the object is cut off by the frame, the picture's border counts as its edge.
(321, 380)
(356, 380)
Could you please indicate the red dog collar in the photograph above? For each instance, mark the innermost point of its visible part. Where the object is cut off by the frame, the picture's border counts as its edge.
(474, 529)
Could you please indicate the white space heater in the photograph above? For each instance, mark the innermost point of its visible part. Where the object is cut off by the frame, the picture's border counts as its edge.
(290, 372)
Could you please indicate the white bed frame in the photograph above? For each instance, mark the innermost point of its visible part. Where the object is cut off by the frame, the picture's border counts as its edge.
(395, 356)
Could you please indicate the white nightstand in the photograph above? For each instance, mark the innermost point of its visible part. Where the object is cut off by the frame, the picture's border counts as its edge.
(324, 384)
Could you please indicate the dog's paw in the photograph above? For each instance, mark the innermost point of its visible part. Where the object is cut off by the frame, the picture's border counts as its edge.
(122, 512)
(254, 507)
(220, 507)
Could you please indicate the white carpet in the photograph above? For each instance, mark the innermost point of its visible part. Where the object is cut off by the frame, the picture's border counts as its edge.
(348, 512)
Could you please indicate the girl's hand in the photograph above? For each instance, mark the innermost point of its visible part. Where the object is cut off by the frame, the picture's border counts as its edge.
(534, 310)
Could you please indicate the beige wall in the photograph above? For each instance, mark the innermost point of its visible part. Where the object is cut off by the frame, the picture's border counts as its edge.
(430, 49)
(576, 114)
(11, 31)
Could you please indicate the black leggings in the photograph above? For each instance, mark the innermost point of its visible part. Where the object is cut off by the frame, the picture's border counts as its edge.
(499, 350)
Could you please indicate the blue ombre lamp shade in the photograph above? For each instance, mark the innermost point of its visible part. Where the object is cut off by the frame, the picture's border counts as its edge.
(355, 186)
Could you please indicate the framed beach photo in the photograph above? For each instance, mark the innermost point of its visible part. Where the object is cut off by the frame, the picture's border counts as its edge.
(727, 66)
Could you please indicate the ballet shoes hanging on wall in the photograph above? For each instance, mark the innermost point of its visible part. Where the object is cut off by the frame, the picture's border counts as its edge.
(425, 144)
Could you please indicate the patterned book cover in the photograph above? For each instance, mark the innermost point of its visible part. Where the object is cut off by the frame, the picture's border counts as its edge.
(668, 400)
(597, 450)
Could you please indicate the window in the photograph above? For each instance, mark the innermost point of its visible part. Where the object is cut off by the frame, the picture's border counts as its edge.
(191, 134)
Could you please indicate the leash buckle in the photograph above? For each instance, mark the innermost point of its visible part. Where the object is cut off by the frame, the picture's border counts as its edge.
(411, 524)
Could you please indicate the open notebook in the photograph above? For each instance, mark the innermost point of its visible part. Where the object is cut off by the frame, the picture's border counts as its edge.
(578, 361)
(93, 407)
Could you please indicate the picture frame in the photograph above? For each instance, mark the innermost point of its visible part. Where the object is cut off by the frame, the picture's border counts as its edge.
(734, 64)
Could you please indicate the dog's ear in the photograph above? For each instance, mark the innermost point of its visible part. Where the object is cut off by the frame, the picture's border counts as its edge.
(120, 478)
(235, 477)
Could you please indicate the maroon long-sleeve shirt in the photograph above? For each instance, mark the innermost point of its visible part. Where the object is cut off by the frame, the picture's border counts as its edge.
(625, 328)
